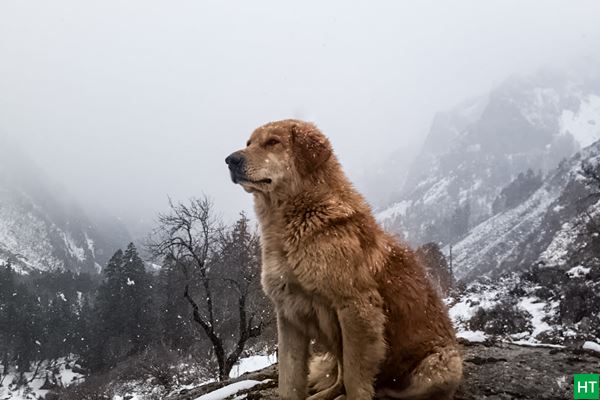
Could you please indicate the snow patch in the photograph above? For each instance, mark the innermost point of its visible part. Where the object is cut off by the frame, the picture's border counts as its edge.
(64, 377)
(230, 390)
(472, 336)
(396, 210)
(537, 309)
(464, 310)
(584, 124)
(558, 249)
(591, 346)
(437, 191)
(252, 363)
(578, 271)
(72, 247)
(536, 344)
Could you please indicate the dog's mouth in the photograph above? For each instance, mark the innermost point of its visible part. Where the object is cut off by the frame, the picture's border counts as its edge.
(265, 181)
(236, 178)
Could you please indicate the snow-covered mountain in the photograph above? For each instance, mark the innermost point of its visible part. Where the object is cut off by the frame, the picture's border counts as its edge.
(504, 182)
(532, 271)
(554, 226)
(480, 146)
(41, 228)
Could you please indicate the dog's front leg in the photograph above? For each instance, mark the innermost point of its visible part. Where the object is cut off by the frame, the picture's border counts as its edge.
(293, 359)
(364, 348)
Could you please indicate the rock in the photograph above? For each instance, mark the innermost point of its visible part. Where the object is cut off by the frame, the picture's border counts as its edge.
(495, 371)
(508, 371)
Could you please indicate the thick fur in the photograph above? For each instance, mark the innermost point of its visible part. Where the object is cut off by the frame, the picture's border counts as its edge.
(335, 276)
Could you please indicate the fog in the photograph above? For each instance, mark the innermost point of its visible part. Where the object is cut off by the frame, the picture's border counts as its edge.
(125, 103)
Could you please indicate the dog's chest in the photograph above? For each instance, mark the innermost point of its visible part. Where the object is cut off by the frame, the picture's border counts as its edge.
(280, 282)
(279, 277)
(277, 273)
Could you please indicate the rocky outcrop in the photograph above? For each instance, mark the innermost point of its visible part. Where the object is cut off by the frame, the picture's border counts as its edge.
(494, 371)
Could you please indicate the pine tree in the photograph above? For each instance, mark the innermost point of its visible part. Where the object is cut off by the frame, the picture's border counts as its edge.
(176, 328)
(124, 321)
(137, 299)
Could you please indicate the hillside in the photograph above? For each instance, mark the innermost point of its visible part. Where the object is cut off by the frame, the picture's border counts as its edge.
(507, 184)
(41, 228)
(551, 227)
(531, 273)
(480, 146)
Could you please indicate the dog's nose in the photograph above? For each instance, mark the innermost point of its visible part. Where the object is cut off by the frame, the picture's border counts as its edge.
(234, 160)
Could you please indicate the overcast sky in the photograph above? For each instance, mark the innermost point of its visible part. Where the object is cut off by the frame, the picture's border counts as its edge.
(125, 102)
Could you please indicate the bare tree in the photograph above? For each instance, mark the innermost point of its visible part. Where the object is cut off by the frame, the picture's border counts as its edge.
(194, 239)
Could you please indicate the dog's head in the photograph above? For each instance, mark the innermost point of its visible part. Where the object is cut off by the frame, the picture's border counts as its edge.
(278, 156)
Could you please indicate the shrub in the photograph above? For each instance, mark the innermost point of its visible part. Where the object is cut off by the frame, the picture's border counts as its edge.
(504, 318)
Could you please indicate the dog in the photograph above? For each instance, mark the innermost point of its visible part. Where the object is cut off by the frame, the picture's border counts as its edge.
(337, 279)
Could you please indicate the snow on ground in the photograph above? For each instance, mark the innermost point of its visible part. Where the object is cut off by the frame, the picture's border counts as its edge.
(584, 124)
(488, 294)
(139, 390)
(395, 210)
(32, 391)
(534, 344)
(472, 336)
(464, 309)
(592, 346)
(494, 238)
(437, 191)
(557, 251)
(538, 312)
(578, 271)
(72, 247)
(252, 363)
(133, 396)
(230, 390)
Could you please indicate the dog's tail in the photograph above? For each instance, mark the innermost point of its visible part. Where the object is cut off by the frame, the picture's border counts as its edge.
(436, 377)
(323, 372)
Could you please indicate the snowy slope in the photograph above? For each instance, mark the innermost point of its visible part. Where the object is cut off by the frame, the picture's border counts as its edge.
(543, 304)
(476, 149)
(539, 314)
(41, 228)
(56, 373)
(548, 228)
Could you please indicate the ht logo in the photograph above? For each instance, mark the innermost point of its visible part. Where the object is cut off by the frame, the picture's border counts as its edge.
(585, 386)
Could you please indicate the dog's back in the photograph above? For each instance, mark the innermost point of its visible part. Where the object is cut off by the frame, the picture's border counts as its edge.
(417, 325)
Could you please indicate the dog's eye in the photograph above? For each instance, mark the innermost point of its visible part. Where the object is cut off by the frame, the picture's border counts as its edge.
(271, 142)
(248, 143)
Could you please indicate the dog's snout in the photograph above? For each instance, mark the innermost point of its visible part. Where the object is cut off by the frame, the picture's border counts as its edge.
(234, 160)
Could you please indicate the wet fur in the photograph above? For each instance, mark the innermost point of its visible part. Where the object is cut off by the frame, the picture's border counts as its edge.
(335, 276)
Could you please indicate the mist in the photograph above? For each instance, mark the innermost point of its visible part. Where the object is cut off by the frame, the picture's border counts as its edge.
(126, 103)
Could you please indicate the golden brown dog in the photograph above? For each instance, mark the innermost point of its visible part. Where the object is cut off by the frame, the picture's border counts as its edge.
(336, 277)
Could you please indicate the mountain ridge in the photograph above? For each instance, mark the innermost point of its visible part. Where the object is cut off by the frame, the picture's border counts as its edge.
(480, 146)
(42, 228)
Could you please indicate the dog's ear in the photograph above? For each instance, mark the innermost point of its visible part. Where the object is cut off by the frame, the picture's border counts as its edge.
(310, 148)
